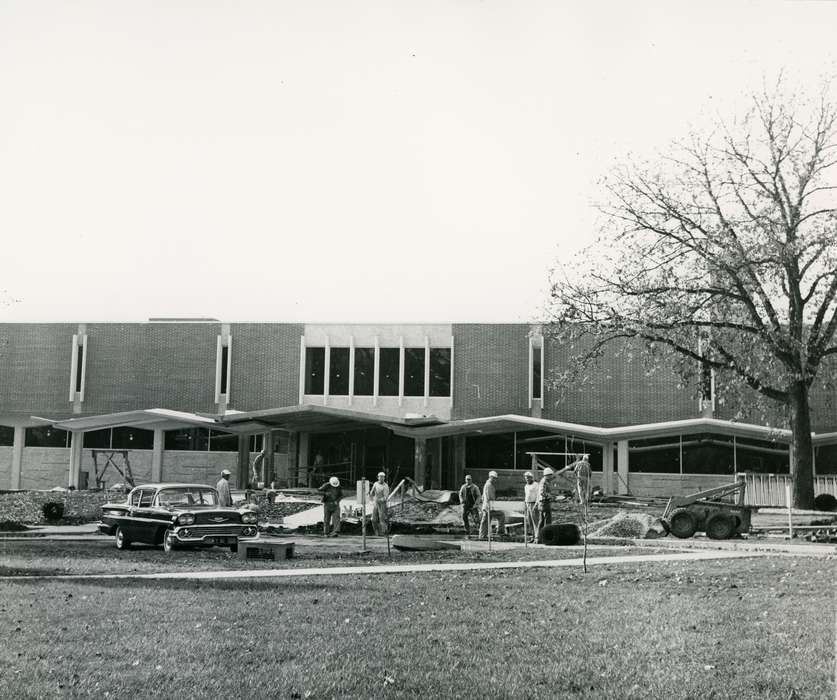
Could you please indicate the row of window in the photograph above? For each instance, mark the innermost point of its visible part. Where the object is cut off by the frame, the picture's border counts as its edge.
(423, 373)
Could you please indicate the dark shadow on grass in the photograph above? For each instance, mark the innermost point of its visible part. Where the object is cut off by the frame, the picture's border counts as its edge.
(236, 585)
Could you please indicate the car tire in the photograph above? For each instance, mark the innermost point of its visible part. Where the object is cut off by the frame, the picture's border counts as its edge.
(234, 548)
(561, 535)
(682, 523)
(720, 526)
(168, 543)
(122, 541)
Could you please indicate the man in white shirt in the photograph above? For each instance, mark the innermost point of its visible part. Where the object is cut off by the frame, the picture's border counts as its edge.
(489, 493)
(530, 505)
(378, 494)
(223, 489)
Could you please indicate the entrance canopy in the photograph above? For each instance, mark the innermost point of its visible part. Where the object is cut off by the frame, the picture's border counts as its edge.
(318, 419)
(149, 419)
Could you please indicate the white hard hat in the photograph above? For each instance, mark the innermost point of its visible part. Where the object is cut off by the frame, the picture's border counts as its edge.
(492, 474)
(226, 472)
(334, 481)
(529, 474)
(382, 474)
(547, 471)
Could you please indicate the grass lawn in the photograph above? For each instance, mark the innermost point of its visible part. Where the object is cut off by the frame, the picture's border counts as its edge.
(742, 628)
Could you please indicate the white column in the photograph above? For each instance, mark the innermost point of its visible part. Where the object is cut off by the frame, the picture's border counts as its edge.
(607, 468)
(623, 470)
(157, 456)
(76, 440)
(17, 457)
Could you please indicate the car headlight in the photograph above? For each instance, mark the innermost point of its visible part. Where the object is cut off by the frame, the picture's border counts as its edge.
(249, 517)
(186, 519)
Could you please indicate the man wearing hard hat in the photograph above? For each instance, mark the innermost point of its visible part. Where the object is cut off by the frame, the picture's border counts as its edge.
(530, 505)
(332, 493)
(223, 489)
(489, 493)
(378, 494)
(546, 493)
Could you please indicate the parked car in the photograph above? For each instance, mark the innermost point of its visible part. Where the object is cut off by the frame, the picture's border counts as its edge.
(176, 515)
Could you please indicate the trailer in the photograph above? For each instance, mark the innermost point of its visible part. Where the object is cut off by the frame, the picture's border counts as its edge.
(706, 512)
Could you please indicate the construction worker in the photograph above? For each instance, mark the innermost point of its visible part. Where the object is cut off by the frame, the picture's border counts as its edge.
(546, 494)
(332, 494)
(223, 489)
(469, 496)
(530, 505)
(489, 493)
(378, 494)
(582, 479)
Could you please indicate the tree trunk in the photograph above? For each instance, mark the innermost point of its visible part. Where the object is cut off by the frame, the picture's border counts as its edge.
(803, 475)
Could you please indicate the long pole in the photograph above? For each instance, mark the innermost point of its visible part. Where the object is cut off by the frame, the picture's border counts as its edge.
(488, 518)
(363, 511)
(525, 524)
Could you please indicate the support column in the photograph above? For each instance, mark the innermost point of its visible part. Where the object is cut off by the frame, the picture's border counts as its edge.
(267, 465)
(419, 469)
(458, 460)
(302, 477)
(622, 466)
(607, 468)
(157, 455)
(292, 477)
(17, 457)
(76, 440)
(243, 475)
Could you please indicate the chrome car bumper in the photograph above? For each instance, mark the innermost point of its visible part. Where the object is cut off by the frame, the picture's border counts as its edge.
(212, 534)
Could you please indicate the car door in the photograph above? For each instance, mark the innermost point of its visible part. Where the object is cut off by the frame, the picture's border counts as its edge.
(142, 516)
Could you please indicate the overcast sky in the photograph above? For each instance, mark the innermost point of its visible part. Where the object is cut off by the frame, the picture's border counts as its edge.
(344, 161)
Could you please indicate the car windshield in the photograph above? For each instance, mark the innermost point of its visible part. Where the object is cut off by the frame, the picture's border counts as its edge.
(188, 497)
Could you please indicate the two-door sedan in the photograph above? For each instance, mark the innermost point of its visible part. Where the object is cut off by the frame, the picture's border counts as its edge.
(176, 515)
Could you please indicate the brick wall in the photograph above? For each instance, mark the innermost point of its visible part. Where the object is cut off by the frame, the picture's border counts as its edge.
(618, 392)
(265, 365)
(35, 366)
(491, 369)
(45, 467)
(197, 467)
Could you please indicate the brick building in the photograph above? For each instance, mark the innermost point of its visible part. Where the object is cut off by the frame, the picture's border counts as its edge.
(179, 401)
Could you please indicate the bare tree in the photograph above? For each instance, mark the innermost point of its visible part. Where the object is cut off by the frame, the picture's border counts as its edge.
(724, 252)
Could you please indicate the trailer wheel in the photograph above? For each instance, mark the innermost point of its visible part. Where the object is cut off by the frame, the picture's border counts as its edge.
(682, 523)
(561, 534)
(720, 526)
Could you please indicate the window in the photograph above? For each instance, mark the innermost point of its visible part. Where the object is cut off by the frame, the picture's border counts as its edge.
(187, 439)
(364, 371)
(314, 370)
(389, 371)
(7, 436)
(132, 439)
(134, 498)
(146, 498)
(256, 442)
(708, 454)
(414, 372)
(655, 456)
(47, 437)
(338, 372)
(222, 442)
(439, 371)
(536, 373)
(826, 459)
(535, 369)
(79, 367)
(762, 456)
(225, 358)
(97, 439)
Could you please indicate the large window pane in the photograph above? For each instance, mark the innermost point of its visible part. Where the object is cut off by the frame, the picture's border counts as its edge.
(826, 459)
(708, 454)
(222, 442)
(413, 371)
(338, 372)
(97, 439)
(762, 456)
(657, 456)
(314, 370)
(191, 439)
(46, 437)
(7, 436)
(536, 373)
(133, 439)
(390, 366)
(364, 371)
(439, 372)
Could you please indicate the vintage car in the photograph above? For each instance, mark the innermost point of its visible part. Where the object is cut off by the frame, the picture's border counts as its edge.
(176, 515)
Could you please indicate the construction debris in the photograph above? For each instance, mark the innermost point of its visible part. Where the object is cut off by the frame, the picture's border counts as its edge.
(629, 525)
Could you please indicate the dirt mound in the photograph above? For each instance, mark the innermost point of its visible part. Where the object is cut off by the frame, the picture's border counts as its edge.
(631, 525)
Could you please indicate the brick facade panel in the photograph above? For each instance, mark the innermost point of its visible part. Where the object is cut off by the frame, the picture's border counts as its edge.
(35, 366)
(618, 391)
(265, 365)
(491, 369)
